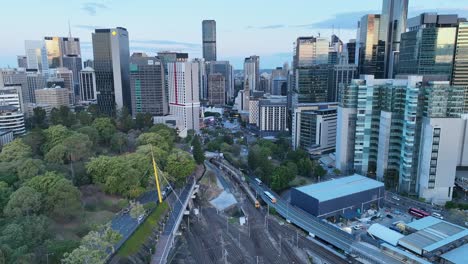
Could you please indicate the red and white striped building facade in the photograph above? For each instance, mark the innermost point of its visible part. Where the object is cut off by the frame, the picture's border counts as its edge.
(184, 100)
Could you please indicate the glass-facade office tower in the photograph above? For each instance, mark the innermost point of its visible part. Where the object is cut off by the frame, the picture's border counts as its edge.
(428, 47)
(22, 61)
(381, 122)
(216, 91)
(147, 85)
(209, 40)
(310, 51)
(392, 25)
(460, 64)
(369, 54)
(111, 65)
(36, 55)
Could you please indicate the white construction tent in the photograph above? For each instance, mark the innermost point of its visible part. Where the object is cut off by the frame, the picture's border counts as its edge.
(384, 233)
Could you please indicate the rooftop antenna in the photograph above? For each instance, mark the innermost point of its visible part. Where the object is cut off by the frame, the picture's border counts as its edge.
(69, 29)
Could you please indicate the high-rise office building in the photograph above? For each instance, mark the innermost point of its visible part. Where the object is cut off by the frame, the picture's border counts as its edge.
(87, 84)
(311, 84)
(272, 115)
(460, 64)
(351, 51)
(202, 78)
(12, 119)
(252, 72)
(340, 74)
(392, 25)
(314, 127)
(183, 95)
(147, 84)
(55, 97)
(368, 52)
(386, 128)
(167, 57)
(54, 48)
(310, 51)
(16, 77)
(22, 61)
(279, 81)
(209, 40)
(428, 47)
(10, 94)
(216, 90)
(226, 69)
(35, 80)
(36, 55)
(111, 65)
(68, 81)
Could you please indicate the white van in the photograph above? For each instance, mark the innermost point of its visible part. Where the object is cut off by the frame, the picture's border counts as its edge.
(437, 215)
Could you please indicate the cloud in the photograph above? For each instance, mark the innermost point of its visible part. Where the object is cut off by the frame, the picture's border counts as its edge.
(92, 8)
(267, 27)
(87, 27)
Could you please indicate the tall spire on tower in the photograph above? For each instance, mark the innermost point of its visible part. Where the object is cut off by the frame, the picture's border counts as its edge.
(69, 29)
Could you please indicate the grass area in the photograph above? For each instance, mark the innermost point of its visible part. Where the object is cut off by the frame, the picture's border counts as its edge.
(209, 178)
(133, 244)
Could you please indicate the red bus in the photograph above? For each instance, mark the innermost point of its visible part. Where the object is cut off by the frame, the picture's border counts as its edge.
(418, 212)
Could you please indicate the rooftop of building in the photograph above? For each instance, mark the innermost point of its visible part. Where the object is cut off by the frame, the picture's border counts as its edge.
(458, 255)
(432, 233)
(345, 186)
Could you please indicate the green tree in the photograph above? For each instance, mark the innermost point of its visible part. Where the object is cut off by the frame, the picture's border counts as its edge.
(154, 139)
(125, 121)
(105, 128)
(5, 192)
(137, 209)
(143, 121)
(24, 201)
(91, 132)
(54, 136)
(198, 153)
(60, 198)
(54, 117)
(281, 177)
(119, 142)
(85, 118)
(15, 150)
(30, 168)
(180, 165)
(57, 248)
(67, 117)
(35, 139)
(39, 117)
(94, 247)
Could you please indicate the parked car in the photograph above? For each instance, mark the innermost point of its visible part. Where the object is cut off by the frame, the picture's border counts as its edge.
(390, 216)
(357, 227)
(395, 198)
(125, 211)
(140, 218)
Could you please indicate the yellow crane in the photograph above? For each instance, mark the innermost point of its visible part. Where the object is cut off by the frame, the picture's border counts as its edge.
(156, 177)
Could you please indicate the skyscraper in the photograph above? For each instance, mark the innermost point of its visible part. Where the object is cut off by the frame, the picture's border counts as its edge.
(111, 64)
(370, 57)
(310, 51)
(147, 84)
(209, 40)
(252, 72)
(54, 48)
(460, 65)
(216, 91)
(87, 84)
(36, 55)
(183, 94)
(22, 61)
(392, 25)
(428, 47)
(224, 68)
(311, 84)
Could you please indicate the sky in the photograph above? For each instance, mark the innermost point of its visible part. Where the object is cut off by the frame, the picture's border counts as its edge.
(267, 28)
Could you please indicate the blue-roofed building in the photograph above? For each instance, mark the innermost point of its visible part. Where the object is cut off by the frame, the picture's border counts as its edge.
(347, 196)
(432, 236)
(456, 256)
